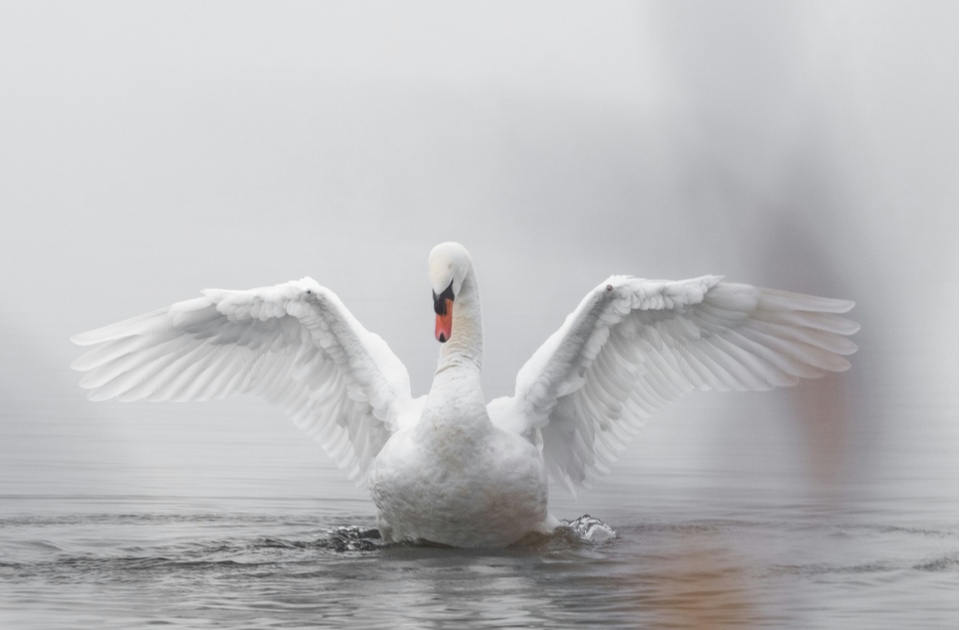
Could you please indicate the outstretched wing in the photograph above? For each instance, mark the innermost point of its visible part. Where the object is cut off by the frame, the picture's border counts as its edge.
(634, 345)
(294, 344)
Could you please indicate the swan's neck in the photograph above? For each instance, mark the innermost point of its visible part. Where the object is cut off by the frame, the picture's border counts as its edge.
(465, 347)
(456, 397)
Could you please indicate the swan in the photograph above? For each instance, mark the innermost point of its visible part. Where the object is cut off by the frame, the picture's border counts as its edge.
(449, 468)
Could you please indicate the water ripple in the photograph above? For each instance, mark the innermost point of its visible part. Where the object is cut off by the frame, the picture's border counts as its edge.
(236, 569)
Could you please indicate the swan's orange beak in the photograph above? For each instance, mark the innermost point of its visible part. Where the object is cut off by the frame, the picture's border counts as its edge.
(443, 307)
(445, 321)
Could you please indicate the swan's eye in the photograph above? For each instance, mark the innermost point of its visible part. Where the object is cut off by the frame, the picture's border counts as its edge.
(440, 301)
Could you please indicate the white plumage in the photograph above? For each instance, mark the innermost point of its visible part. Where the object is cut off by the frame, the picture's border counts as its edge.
(447, 467)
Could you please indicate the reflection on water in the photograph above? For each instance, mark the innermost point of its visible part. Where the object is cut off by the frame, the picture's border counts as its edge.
(126, 562)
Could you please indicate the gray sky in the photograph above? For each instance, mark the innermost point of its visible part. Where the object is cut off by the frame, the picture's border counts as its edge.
(149, 150)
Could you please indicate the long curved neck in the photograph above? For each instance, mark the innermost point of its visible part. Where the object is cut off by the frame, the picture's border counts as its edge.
(465, 347)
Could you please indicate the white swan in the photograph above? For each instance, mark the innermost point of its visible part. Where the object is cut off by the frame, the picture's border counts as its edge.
(447, 467)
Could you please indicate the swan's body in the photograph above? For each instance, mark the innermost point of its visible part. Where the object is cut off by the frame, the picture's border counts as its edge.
(448, 467)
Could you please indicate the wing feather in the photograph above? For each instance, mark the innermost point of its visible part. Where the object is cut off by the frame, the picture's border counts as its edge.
(633, 345)
(293, 344)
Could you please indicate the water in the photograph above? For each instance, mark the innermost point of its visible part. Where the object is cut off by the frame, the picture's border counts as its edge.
(131, 562)
(729, 513)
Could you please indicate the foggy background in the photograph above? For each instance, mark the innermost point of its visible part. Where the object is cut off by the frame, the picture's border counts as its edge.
(150, 150)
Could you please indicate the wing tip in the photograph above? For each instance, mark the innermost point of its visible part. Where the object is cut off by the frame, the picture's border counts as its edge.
(853, 328)
(85, 338)
(842, 306)
(779, 300)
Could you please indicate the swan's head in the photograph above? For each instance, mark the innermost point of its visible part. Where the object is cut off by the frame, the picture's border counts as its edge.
(448, 266)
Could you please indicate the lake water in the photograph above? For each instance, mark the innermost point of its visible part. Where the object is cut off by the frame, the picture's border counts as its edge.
(127, 562)
(729, 513)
